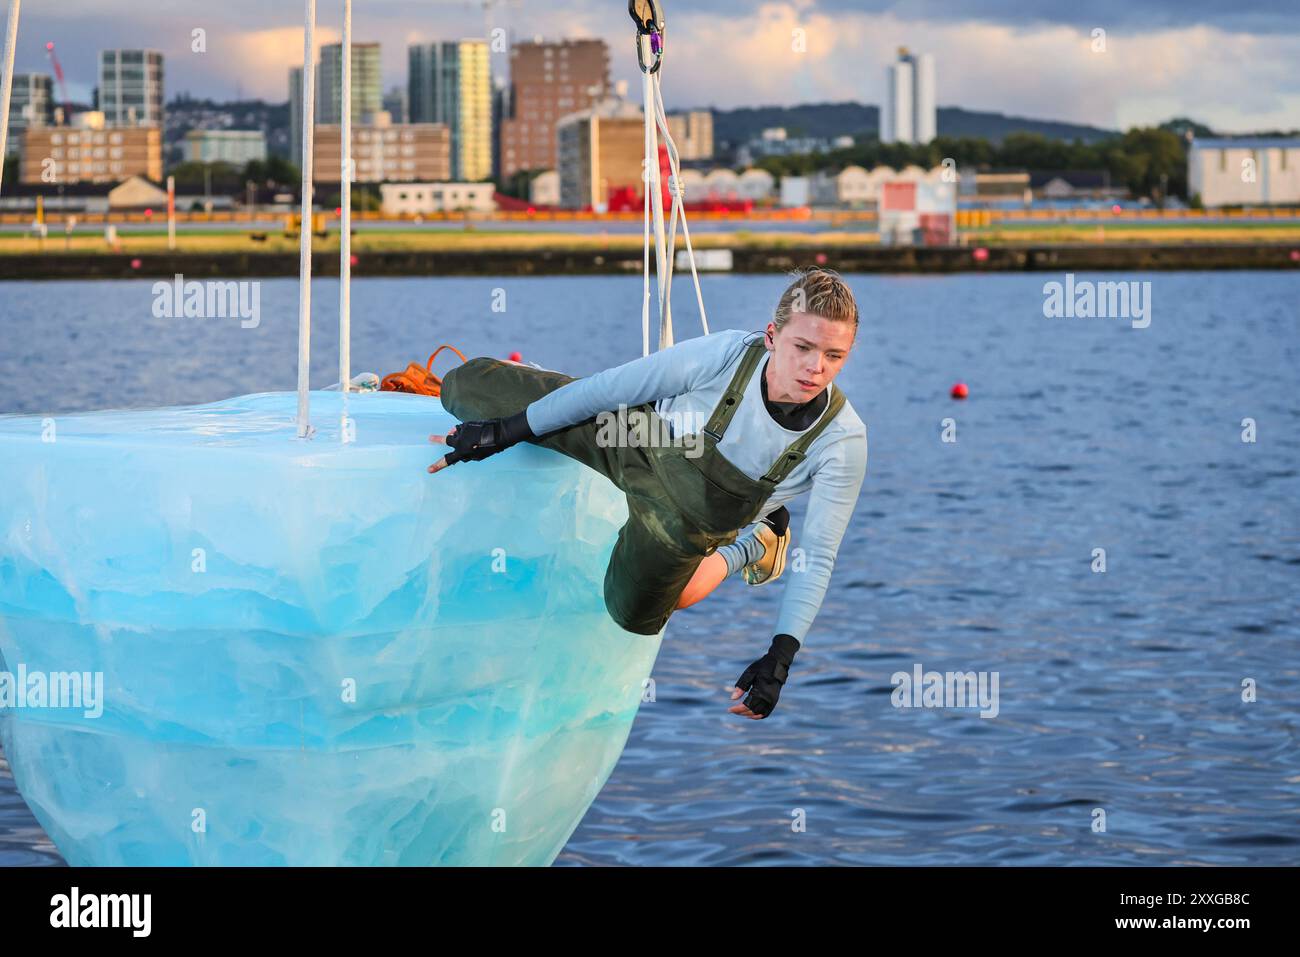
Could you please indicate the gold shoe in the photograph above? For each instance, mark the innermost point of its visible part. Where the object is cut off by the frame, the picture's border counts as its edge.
(772, 564)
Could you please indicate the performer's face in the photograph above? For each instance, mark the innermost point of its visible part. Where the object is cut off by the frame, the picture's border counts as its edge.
(806, 354)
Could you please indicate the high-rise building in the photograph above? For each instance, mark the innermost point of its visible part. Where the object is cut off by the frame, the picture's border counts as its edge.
(500, 110)
(548, 81)
(693, 134)
(450, 83)
(131, 87)
(908, 112)
(30, 104)
(367, 84)
(395, 105)
(600, 152)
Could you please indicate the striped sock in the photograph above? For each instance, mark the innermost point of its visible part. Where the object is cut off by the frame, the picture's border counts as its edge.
(741, 552)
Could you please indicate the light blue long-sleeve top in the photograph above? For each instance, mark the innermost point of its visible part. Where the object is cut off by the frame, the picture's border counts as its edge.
(686, 381)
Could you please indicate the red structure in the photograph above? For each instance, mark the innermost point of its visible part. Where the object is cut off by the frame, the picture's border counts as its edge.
(624, 198)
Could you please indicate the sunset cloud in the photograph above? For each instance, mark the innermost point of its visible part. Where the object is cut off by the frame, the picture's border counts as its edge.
(1232, 66)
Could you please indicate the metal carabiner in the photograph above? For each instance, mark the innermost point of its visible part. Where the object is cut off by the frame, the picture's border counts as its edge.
(648, 15)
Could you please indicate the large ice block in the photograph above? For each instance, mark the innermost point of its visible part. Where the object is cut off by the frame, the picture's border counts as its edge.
(312, 651)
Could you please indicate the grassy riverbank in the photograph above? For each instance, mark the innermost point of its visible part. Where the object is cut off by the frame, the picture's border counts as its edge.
(380, 240)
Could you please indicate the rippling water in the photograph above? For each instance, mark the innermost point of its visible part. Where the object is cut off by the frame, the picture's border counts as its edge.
(1118, 690)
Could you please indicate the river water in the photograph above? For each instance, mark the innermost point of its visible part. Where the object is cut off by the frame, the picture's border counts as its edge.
(1120, 692)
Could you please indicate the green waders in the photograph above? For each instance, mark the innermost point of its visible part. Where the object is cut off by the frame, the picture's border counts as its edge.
(681, 507)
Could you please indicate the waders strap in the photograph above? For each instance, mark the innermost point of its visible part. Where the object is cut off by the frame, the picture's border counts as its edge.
(798, 450)
(730, 401)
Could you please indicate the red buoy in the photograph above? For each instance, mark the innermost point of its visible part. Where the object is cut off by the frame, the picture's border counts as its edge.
(821, 259)
(981, 254)
(959, 391)
(353, 259)
(516, 357)
(135, 264)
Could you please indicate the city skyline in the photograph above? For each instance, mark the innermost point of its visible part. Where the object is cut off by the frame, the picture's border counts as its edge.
(1231, 69)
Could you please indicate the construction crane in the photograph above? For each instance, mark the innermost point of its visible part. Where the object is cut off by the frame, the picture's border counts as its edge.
(63, 86)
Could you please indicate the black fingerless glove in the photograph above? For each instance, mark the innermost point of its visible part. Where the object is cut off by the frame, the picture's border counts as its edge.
(766, 676)
(475, 441)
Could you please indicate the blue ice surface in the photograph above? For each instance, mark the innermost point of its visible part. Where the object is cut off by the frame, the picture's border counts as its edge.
(313, 652)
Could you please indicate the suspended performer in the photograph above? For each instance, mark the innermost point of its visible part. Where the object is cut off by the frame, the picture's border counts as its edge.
(773, 427)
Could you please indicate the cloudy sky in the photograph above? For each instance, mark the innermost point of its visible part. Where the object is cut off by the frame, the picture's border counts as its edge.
(1234, 65)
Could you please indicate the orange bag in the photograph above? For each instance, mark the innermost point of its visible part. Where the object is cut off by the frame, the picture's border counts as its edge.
(415, 379)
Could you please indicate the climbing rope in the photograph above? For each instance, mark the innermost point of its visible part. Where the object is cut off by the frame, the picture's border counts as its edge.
(649, 19)
(415, 379)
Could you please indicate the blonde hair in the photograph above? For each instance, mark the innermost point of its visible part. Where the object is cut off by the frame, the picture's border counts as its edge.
(820, 292)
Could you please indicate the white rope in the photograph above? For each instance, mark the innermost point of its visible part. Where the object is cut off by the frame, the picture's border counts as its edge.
(679, 203)
(304, 231)
(656, 206)
(7, 78)
(645, 250)
(345, 243)
(652, 116)
(656, 121)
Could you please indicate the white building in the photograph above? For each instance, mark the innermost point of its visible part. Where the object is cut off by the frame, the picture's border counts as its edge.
(236, 147)
(796, 191)
(914, 207)
(721, 183)
(544, 190)
(856, 187)
(756, 184)
(420, 198)
(1244, 172)
(908, 113)
(851, 186)
(693, 134)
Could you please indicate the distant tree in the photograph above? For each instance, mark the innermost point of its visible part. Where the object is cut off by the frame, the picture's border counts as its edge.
(274, 170)
(192, 177)
(1151, 162)
(365, 198)
(1034, 151)
(517, 184)
(1181, 125)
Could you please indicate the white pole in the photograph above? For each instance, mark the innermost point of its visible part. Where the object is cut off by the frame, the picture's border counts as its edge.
(345, 243)
(304, 232)
(7, 80)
